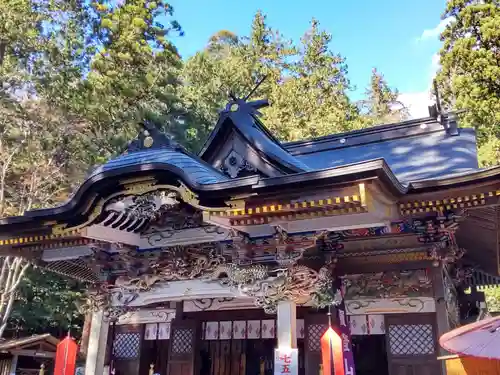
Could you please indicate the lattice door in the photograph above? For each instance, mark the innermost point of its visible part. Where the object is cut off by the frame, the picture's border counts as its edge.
(314, 333)
(411, 339)
(127, 345)
(182, 348)
(315, 326)
(411, 344)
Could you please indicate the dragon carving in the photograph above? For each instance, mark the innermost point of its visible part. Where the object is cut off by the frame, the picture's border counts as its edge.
(176, 265)
(237, 276)
(269, 286)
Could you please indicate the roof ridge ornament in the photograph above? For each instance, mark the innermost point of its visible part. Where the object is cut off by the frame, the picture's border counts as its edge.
(252, 107)
(447, 118)
(151, 137)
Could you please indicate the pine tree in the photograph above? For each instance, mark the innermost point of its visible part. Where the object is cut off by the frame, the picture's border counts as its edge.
(381, 103)
(306, 82)
(469, 78)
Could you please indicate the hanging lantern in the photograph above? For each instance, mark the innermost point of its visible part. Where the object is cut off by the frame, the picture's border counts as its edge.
(65, 363)
(331, 353)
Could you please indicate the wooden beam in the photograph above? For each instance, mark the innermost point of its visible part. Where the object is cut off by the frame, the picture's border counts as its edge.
(33, 353)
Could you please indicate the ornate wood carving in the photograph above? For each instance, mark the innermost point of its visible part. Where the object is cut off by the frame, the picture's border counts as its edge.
(269, 286)
(234, 164)
(415, 283)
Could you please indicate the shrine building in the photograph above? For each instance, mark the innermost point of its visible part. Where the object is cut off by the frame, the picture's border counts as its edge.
(229, 262)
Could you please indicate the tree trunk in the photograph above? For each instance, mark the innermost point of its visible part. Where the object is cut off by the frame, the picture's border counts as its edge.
(11, 274)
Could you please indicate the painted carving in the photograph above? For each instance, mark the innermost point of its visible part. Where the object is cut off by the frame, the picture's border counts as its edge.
(187, 264)
(145, 206)
(144, 316)
(269, 286)
(133, 212)
(237, 276)
(451, 300)
(173, 264)
(141, 283)
(207, 303)
(447, 251)
(234, 163)
(388, 285)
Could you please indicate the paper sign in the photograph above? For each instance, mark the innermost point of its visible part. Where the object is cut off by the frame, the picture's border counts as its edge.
(286, 361)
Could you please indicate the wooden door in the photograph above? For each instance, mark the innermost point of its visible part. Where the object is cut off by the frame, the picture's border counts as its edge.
(182, 348)
(412, 344)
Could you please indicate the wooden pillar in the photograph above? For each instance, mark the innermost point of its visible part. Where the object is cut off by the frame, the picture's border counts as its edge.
(98, 337)
(287, 325)
(442, 322)
(84, 342)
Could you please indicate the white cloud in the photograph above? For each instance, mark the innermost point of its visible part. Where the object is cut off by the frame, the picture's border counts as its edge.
(436, 31)
(417, 103)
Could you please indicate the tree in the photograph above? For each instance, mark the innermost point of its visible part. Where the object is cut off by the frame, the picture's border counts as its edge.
(39, 162)
(46, 303)
(75, 77)
(469, 78)
(382, 104)
(306, 82)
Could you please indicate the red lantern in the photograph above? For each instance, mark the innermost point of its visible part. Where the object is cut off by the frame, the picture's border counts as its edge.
(66, 353)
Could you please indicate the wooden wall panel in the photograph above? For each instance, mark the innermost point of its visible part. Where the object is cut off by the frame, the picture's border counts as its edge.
(182, 351)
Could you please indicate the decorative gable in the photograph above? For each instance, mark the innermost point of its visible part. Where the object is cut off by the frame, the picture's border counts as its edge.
(240, 145)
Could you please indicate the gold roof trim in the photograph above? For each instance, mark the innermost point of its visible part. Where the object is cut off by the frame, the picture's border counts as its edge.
(438, 205)
(354, 202)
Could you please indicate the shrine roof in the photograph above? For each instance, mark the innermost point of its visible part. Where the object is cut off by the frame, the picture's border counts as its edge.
(23, 342)
(414, 150)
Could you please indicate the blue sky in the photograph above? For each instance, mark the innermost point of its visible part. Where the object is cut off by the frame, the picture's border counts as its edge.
(399, 38)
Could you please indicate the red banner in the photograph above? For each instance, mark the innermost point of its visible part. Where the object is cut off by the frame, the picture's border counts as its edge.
(66, 353)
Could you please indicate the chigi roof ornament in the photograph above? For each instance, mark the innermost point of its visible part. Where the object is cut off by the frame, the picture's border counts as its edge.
(242, 104)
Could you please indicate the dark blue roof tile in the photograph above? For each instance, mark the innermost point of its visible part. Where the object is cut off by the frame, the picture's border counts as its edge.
(197, 170)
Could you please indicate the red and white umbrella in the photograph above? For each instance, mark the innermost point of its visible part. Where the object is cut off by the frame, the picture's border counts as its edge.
(479, 339)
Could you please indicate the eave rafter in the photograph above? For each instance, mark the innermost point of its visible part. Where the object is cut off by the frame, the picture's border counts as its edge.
(452, 200)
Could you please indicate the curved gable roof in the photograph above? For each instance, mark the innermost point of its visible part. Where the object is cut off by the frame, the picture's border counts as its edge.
(242, 116)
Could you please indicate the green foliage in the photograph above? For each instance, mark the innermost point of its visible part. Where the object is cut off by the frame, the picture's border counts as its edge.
(40, 156)
(492, 296)
(470, 75)
(46, 303)
(95, 69)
